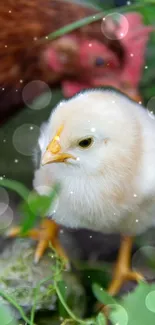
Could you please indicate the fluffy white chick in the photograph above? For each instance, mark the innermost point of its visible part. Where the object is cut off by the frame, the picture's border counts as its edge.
(100, 146)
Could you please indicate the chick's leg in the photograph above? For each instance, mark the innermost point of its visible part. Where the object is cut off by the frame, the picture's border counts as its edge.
(122, 271)
(45, 234)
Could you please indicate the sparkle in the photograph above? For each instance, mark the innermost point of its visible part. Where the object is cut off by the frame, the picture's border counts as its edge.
(16, 90)
(31, 127)
(131, 54)
(21, 81)
(146, 67)
(6, 46)
(4, 140)
(1, 178)
(101, 289)
(151, 112)
(61, 231)
(94, 17)
(113, 101)
(3, 88)
(65, 287)
(137, 220)
(3, 175)
(90, 237)
(10, 11)
(46, 37)
(135, 195)
(57, 138)
(16, 161)
(93, 129)
(89, 276)
(78, 159)
(140, 103)
(90, 45)
(128, 3)
(61, 319)
(121, 34)
(35, 38)
(71, 192)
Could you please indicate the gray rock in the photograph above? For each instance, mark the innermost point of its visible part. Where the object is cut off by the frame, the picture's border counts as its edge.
(19, 277)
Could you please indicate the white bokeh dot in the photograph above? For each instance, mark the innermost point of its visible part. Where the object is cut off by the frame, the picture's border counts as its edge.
(6, 219)
(42, 100)
(150, 301)
(142, 258)
(151, 107)
(25, 139)
(4, 200)
(118, 314)
(115, 26)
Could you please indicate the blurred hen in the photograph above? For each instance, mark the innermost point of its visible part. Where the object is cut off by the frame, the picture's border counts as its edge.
(23, 56)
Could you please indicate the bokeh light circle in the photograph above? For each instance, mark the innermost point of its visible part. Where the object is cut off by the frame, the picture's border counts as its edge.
(46, 190)
(150, 301)
(118, 314)
(4, 200)
(141, 260)
(6, 219)
(115, 26)
(42, 93)
(25, 139)
(151, 107)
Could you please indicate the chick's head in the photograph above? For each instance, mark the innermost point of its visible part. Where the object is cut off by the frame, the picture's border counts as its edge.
(93, 129)
(90, 145)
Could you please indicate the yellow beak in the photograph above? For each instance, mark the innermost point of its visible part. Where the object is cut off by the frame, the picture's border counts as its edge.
(49, 158)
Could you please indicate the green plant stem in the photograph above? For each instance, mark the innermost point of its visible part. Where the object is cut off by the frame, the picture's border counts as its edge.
(14, 303)
(35, 299)
(88, 20)
(70, 313)
(66, 321)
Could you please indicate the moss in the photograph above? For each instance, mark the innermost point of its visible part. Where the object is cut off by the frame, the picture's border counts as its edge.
(19, 277)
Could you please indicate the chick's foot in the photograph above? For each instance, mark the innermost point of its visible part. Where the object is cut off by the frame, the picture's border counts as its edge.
(122, 271)
(46, 234)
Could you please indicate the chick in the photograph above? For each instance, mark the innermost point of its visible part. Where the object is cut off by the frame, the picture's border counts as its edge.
(100, 146)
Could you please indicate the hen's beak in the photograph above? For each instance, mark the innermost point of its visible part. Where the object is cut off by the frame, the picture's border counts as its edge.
(49, 158)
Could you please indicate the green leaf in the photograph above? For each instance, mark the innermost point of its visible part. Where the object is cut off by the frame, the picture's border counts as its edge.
(88, 20)
(62, 288)
(15, 186)
(28, 218)
(6, 316)
(102, 295)
(96, 4)
(100, 319)
(136, 308)
(40, 204)
(36, 206)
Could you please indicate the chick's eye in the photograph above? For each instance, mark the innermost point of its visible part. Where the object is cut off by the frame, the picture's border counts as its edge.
(85, 143)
